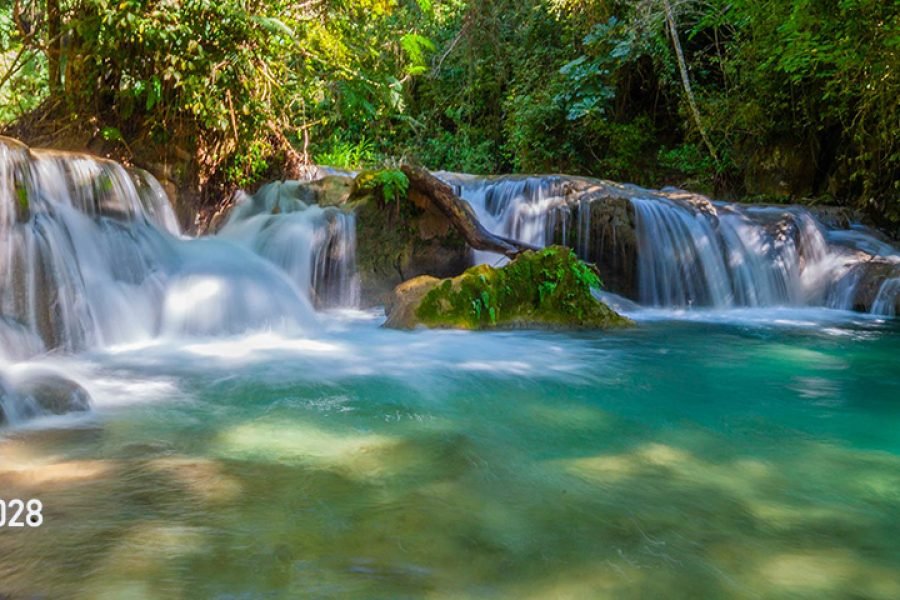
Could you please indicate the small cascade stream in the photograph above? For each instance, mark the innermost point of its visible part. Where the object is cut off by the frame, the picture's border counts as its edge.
(313, 245)
(523, 208)
(689, 252)
(735, 257)
(91, 256)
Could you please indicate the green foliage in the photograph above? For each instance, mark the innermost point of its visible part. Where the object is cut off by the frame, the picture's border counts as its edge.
(391, 184)
(234, 82)
(417, 48)
(23, 71)
(588, 86)
(249, 165)
(111, 134)
(694, 164)
(347, 155)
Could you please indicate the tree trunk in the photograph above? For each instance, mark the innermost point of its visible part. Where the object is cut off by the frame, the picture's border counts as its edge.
(461, 215)
(54, 43)
(685, 79)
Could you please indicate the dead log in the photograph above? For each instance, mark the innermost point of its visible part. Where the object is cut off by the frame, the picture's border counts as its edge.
(461, 215)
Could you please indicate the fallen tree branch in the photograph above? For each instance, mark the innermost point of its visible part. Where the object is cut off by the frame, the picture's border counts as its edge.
(461, 215)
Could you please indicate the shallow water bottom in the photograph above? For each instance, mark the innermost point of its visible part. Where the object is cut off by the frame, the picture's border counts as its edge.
(712, 458)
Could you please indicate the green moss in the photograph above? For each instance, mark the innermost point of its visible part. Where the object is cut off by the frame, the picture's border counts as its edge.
(22, 196)
(550, 287)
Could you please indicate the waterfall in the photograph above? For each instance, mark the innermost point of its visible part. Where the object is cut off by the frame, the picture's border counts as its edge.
(689, 251)
(886, 301)
(84, 244)
(732, 256)
(92, 256)
(315, 246)
(522, 208)
(679, 262)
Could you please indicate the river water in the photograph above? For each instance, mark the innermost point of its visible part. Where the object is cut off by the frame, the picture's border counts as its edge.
(737, 454)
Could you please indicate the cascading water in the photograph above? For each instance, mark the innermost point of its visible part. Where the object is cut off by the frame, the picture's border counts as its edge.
(726, 255)
(316, 246)
(732, 256)
(85, 243)
(523, 208)
(691, 252)
(92, 257)
(886, 301)
(678, 264)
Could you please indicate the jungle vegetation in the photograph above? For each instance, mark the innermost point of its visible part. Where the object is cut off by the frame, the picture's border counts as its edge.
(771, 99)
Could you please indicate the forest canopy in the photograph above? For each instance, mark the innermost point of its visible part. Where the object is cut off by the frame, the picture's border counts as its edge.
(764, 99)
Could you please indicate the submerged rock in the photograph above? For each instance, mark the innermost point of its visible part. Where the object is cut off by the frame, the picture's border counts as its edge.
(43, 392)
(550, 288)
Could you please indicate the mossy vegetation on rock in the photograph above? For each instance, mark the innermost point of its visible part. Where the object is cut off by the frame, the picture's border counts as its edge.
(550, 288)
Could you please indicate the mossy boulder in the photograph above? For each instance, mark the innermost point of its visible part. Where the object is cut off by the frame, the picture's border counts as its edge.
(550, 288)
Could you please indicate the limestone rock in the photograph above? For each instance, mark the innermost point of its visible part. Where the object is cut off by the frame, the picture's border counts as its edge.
(401, 239)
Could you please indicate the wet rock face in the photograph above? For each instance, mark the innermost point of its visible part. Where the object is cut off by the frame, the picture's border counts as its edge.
(601, 229)
(331, 190)
(399, 240)
(543, 289)
(874, 280)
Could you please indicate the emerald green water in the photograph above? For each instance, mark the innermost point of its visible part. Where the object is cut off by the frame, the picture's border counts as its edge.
(726, 458)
